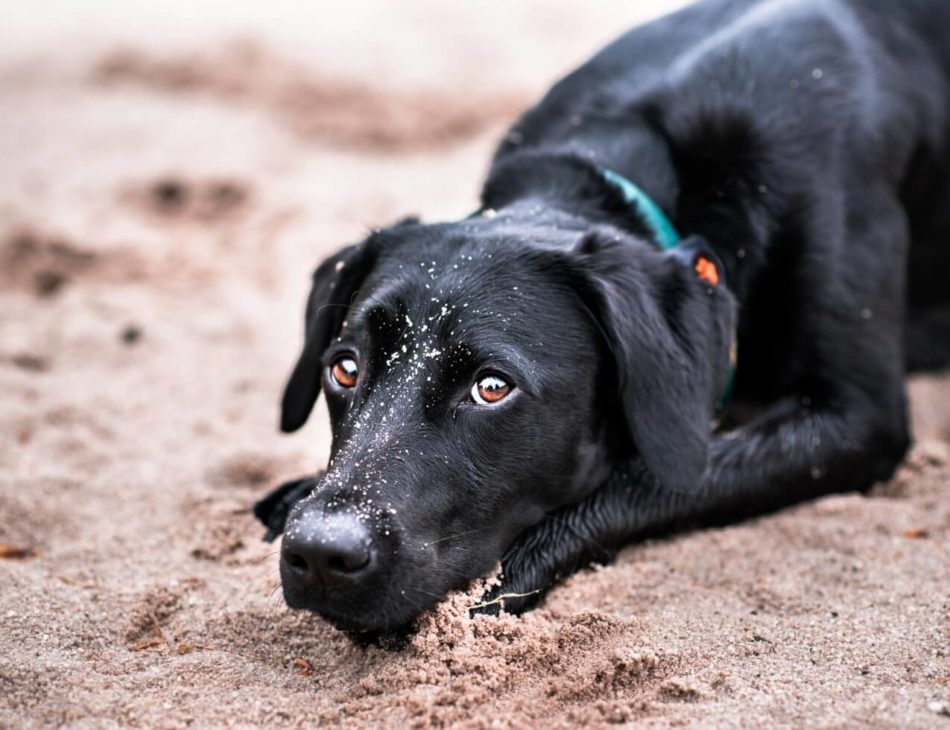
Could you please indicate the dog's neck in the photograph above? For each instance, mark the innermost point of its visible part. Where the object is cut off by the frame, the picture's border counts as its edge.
(575, 186)
(571, 187)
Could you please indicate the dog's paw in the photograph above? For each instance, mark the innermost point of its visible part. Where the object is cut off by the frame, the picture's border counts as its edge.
(524, 581)
(275, 507)
(538, 559)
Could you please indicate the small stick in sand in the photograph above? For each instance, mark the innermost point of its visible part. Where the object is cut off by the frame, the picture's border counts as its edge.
(502, 597)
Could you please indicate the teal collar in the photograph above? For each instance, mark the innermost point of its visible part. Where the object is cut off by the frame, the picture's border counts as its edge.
(653, 218)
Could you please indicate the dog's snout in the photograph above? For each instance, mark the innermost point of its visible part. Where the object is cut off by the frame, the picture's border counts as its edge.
(327, 549)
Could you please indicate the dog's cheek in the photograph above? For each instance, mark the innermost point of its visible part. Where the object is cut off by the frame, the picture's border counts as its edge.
(336, 408)
(564, 459)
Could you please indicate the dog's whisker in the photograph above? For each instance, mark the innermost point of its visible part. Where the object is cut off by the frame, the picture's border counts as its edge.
(421, 591)
(260, 561)
(331, 305)
(457, 535)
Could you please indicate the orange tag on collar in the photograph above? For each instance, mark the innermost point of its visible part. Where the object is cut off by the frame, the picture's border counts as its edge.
(706, 270)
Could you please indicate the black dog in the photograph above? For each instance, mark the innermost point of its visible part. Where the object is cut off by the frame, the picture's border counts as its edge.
(539, 382)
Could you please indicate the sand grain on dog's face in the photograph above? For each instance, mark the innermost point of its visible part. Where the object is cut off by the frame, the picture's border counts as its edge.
(128, 464)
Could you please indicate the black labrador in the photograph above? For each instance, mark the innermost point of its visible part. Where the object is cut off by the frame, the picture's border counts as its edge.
(548, 379)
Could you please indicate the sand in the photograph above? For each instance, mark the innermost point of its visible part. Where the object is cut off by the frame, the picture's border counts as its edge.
(168, 177)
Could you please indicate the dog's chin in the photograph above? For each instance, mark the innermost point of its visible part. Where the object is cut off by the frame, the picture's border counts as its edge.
(383, 621)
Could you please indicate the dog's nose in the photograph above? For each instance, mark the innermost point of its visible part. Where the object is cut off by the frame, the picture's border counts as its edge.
(327, 549)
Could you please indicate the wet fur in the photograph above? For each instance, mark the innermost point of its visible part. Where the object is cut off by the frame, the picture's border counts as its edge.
(803, 142)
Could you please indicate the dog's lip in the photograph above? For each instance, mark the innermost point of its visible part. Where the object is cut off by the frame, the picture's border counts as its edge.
(346, 621)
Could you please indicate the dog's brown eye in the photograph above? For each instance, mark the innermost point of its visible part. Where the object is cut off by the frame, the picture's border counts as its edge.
(345, 371)
(490, 389)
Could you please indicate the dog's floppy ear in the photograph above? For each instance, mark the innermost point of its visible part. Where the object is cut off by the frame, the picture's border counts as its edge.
(274, 509)
(335, 283)
(670, 336)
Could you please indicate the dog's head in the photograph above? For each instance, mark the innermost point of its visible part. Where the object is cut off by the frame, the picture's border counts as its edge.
(478, 375)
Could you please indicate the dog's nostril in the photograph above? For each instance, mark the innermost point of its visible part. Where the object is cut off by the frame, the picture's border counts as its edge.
(296, 562)
(349, 562)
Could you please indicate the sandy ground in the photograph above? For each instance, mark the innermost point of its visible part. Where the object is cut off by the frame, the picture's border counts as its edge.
(168, 177)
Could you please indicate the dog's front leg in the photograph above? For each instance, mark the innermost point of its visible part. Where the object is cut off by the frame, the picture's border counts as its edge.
(789, 455)
(575, 536)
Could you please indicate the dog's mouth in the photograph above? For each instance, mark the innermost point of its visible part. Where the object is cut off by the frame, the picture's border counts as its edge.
(368, 634)
(350, 621)
(366, 616)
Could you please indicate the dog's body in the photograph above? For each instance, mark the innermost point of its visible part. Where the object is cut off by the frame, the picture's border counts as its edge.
(803, 145)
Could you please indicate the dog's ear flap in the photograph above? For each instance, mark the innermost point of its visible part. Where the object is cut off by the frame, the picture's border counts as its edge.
(274, 509)
(335, 283)
(669, 334)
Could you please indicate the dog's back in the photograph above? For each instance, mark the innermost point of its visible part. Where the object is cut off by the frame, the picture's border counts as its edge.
(801, 100)
(803, 71)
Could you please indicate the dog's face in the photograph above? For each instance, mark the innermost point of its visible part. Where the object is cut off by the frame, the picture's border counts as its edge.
(472, 379)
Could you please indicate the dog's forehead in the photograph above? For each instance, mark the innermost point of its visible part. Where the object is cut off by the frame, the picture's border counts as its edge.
(500, 267)
(457, 285)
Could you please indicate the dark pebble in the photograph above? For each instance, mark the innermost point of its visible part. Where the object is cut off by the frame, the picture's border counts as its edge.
(169, 195)
(131, 334)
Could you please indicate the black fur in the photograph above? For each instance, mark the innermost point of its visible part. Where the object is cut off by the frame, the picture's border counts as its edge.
(805, 143)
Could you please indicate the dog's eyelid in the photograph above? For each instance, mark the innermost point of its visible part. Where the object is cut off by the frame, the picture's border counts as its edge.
(509, 362)
(340, 348)
(518, 373)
